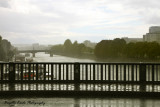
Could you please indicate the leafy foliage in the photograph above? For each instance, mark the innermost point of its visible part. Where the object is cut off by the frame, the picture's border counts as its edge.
(6, 50)
(69, 48)
(118, 48)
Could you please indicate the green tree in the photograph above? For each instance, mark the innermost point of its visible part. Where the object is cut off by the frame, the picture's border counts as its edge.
(67, 46)
(153, 51)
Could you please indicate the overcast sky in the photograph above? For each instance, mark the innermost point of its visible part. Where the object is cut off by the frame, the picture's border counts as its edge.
(53, 21)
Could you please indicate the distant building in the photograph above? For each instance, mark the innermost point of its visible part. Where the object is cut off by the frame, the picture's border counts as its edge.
(128, 40)
(90, 44)
(35, 46)
(153, 35)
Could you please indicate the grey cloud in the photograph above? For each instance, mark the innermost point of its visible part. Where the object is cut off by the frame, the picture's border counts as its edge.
(154, 20)
(147, 9)
(143, 3)
(4, 3)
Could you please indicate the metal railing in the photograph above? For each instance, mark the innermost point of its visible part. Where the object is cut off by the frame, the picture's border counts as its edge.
(80, 72)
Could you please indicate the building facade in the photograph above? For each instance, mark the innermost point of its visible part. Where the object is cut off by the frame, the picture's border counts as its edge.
(153, 35)
(134, 40)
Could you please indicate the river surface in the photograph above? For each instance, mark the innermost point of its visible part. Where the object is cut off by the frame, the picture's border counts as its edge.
(75, 102)
(41, 57)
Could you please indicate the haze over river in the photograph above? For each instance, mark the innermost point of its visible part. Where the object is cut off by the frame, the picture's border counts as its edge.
(41, 57)
(75, 102)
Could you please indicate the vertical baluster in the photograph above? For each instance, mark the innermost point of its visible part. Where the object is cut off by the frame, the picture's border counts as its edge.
(5, 71)
(117, 72)
(63, 73)
(82, 72)
(86, 72)
(37, 72)
(101, 72)
(8, 71)
(52, 72)
(112, 72)
(25, 71)
(105, 71)
(67, 72)
(33, 71)
(124, 72)
(150, 73)
(29, 73)
(21, 72)
(56, 72)
(71, 72)
(59, 71)
(97, 71)
(109, 72)
(17, 71)
(128, 73)
(120, 72)
(90, 72)
(153, 73)
(157, 72)
(147, 70)
(132, 70)
(44, 71)
(1, 72)
(94, 72)
(48, 76)
(136, 72)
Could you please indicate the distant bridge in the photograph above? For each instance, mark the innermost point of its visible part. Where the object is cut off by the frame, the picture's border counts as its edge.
(35, 51)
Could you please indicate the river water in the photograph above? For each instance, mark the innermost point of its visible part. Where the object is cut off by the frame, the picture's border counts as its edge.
(75, 102)
(42, 57)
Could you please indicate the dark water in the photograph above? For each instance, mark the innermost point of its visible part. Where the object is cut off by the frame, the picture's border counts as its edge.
(75, 102)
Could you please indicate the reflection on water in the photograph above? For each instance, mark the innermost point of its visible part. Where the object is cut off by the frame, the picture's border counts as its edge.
(78, 102)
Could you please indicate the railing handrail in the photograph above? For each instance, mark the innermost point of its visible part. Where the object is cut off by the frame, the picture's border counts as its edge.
(128, 63)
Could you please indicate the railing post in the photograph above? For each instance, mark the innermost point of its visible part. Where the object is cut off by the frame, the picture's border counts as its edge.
(76, 72)
(11, 76)
(76, 75)
(11, 72)
(142, 75)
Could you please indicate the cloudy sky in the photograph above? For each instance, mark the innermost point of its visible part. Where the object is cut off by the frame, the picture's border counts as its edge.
(53, 21)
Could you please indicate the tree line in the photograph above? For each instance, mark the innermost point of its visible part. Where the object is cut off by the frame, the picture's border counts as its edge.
(69, 48)
(6, 50)
(118, 48)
